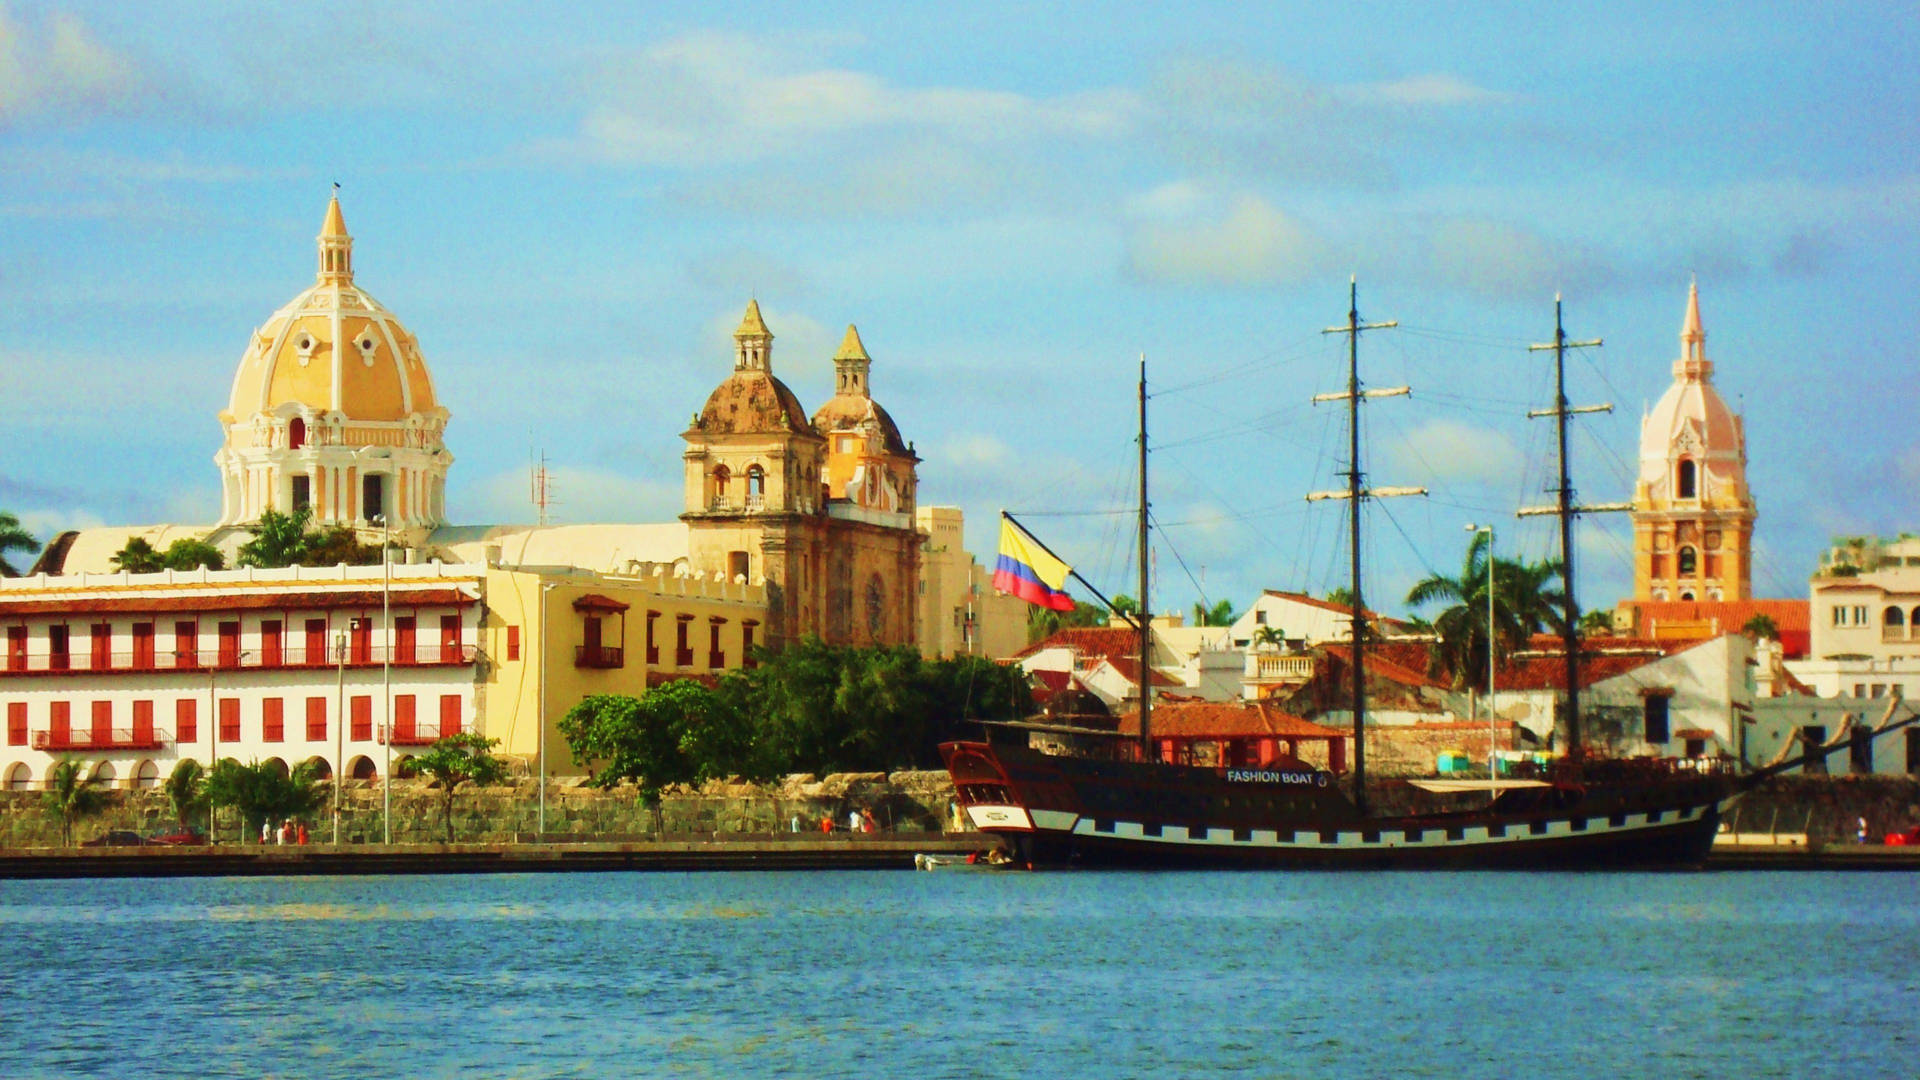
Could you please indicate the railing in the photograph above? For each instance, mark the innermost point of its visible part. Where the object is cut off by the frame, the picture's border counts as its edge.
(1893, 633)
(683, 657)
(1282, 667)
(653, 656)
(141, 738)
(599, 656)
(414, 734)
(211, 660)
(716, 660)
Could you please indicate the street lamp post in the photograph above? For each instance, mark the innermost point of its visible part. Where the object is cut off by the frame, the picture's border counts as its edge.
(386, 674)
(213, 729)
(339, 728)
(540, 736)
(1493, 715)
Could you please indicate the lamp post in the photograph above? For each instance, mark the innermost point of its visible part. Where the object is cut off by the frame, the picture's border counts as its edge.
(339, 728)
(1493, 715)
(386, 675)
(213, 729)
(540, 736)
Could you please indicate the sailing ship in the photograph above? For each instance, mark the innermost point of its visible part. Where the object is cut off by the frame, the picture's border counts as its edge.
(1062, 793)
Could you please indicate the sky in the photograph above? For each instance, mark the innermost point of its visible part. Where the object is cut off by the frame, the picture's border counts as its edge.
(1015, 203)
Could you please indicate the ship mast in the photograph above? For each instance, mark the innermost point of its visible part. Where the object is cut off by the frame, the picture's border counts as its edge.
(1146, 611)
(1354, 493)
(1567, 510)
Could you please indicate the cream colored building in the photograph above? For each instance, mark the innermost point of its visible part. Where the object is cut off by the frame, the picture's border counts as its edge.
(1692, 513)
(1866, 602)
(960, 612)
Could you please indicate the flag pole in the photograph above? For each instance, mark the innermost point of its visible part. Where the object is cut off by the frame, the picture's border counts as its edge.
(1071, 572)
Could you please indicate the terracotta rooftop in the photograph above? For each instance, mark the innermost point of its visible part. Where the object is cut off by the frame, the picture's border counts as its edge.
(1793, 618)
(1227, 720)
(1090, 641)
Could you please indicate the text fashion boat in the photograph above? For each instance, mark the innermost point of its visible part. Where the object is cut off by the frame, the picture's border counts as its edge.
(1067, 793)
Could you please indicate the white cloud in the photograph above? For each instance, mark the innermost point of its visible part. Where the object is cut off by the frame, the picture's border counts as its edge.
(1451, 452)
(711, 98)
(1497, 258)
(1436, 90)
(60, 67)
(966, 451)
(1248, 241)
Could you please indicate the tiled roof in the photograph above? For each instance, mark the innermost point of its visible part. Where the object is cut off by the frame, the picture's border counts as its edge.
(1328, 605)
(1395, 663)
(1793, 618)
(1108, 641)
(1128, 668)
(1227, 720)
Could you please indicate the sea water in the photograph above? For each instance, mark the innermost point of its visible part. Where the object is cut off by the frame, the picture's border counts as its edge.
(965, 974)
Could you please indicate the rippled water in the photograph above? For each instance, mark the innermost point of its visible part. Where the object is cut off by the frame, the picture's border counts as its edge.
(957, 974)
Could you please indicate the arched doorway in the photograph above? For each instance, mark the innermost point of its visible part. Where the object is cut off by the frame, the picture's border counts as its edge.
(19, 778)
(277, 765)
(363, 768)
(104, 774)
(146, 775)
(318, 767)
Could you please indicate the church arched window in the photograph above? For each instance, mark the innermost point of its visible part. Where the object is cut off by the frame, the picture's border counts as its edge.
(1686, 484)
(1893, 618)
(1689, 562)
(721, 477)
(756, 484)
(296, 433)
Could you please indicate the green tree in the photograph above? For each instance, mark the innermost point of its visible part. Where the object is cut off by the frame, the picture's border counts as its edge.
(1220, 614)
(1341, 595)
(186, 790)
(331, 547)
(1761, 626)
(1596, 624)
(192, 553)
(1125, 605)
(1525, 601)
(1269, 637)
(138, 557)
(637, 739)
(279, 540)
(260, 792)
(465, 757)
(71, 796)
(13, 537)
(1043, 623)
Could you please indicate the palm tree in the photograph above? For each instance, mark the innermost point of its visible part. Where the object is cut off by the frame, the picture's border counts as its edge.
(1269, 637)
(71, 796)
(187, 790)
(138, 557)
(1220, 614)
(1525, 601)
(14, 537)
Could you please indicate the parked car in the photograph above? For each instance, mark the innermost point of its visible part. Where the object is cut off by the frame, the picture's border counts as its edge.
(1910, 837)
(183, 837)
(115, 838)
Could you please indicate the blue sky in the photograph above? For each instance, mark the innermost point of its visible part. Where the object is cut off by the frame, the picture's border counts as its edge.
(1013, 204)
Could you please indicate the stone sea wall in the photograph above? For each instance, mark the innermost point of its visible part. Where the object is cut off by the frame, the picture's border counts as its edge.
(901, 802)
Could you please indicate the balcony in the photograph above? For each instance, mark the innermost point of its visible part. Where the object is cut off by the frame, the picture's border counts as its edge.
(415, 734)
(599, 656)
(140, 738)
(211, 660)
(683, 657)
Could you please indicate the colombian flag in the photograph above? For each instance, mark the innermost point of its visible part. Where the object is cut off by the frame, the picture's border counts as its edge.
(1029, 571)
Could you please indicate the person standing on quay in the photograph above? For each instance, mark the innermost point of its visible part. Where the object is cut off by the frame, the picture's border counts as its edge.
(853, 821)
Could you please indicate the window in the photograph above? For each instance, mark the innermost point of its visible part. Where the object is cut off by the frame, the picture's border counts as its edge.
(1860, 615)
(372, 502)
(1688, 562)
(296, 438)
(756, 485)
(16, 723)
(316, 719)
(1811, 736)
(746, 643)
(316, 646)
(449, 715)
(16, 648)
(716, 656)
(403, 629)
(143, 723)
(1839, 616)
(229, 644)
(403, 718)
(1260, 619)
(143, 645)
(360, 632)
(513, 643)
(302, 492)
(682, 647)
(186, 644)
(273, 720)
(270, 651)
(230, 720)
(653, 650)
(737, 564)
(102, 723)
(361, 709)
(60, 721)
(1654, 712)
(1860, 752)
(102, 651)
(449, 639)
(186, 721)
(1685, 480)
(58, 658)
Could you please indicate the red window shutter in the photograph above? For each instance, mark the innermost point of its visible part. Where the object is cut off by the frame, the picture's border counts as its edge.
(449, 715)
(186, 722)
(230, 720)
(316, 641)
(143, 723)
(270, 654)
(16, 723)
(403, 640)
(16, 648)
(316, 719)
(186, 644)
(60, 723)
(273, 720)
(403, 716)
(361, 709)
(449, 639)
(229, 644)
(513, 643)
(102, 646)
(102, 723)
(143, 645)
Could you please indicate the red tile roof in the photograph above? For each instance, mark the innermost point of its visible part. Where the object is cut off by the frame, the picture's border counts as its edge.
(1128, 668)
(1328, 605)
(1088, 641)
(1793, 618)
(1227, 720)
(1404, 664)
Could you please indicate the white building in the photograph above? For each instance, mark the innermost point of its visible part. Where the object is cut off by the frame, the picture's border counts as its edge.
(1865, 607)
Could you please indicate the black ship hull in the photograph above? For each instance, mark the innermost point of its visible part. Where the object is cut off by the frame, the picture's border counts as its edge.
(1053, 810)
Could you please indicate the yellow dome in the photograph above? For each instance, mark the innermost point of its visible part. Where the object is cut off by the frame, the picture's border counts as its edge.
(333, 348)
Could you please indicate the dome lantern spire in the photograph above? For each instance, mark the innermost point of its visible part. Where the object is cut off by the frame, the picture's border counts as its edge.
(851, 365)
(752, 342)
(336, 247)
(1693, 365)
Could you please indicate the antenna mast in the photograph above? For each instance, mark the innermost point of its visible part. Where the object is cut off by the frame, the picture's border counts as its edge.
(1354, 493)
(1567, 510)
(542, 489)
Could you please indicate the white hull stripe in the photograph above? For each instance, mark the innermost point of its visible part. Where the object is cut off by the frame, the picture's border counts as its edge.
(1055, 821)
